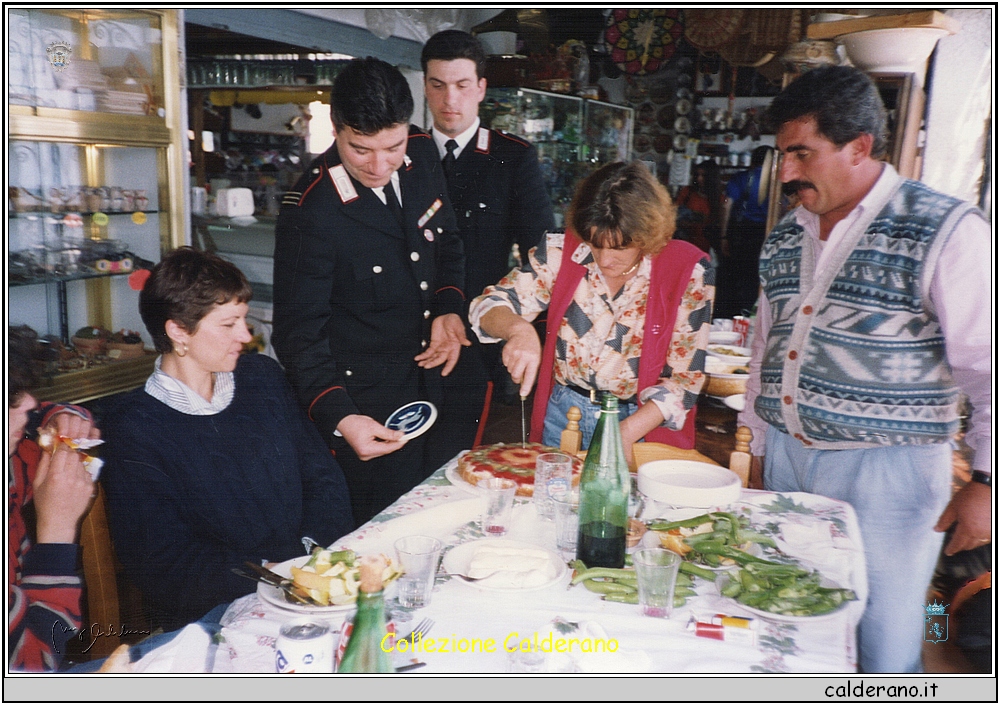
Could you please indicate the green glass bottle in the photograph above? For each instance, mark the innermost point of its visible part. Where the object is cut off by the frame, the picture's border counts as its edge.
(604, 490)
(364, 653)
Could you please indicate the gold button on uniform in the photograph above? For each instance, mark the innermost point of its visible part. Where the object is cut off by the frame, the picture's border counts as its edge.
(377, 269)
(415, 256)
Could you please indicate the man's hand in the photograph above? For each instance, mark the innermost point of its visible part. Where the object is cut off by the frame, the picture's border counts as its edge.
(368, 437)
(447, 340)
(756, 480)
(969, 512)
(63, 490)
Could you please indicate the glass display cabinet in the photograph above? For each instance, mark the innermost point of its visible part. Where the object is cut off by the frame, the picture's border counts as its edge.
(95, 182)
(573, 135)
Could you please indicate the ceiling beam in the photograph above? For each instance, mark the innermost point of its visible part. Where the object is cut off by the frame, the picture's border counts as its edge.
(308, 31)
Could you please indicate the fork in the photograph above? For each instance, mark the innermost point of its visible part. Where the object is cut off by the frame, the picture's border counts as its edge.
(422, 627)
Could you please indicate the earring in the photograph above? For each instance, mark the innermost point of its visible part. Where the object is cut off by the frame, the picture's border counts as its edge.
(179, 353)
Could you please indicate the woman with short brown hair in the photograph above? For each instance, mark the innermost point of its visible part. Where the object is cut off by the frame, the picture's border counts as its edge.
(628, 313)
(212, 463)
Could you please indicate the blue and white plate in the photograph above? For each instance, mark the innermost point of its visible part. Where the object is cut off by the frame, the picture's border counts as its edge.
(413, 419)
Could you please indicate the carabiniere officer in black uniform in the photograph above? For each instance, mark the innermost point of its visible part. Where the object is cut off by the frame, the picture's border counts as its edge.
(368, 301)
(496, 187)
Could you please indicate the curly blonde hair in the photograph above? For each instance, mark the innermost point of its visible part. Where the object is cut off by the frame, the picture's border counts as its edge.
(622, 204)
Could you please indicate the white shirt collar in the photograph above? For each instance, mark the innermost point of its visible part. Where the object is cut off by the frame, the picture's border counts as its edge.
(877, 194)
(180, 397)
(394, 180)
(462, 139)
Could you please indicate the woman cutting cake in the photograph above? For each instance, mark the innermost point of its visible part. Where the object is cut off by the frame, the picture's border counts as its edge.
(213, 463)
(628, 313)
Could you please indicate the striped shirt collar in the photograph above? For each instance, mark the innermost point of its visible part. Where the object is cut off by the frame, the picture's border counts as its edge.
(180, 397)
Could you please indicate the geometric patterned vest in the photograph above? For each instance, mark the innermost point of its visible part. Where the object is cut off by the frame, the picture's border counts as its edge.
(855, 357)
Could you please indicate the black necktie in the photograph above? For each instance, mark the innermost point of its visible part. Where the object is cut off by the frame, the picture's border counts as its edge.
(449, 159)
(393, 202)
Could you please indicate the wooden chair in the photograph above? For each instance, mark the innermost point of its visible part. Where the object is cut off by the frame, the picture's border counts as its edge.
(100, 574)
(739, 460)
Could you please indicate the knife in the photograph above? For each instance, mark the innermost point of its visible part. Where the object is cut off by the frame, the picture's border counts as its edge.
(269, 577)
(410, 667)
(524, 425)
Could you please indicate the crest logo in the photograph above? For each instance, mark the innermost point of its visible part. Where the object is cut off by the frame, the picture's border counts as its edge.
(935, 622)
(59, 53)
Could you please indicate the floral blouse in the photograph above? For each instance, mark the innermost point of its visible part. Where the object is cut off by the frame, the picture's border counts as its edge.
(600, 337)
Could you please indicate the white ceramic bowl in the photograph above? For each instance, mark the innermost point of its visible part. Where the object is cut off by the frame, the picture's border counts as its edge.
(688, 483)
(723, 337)
(899, 49)
(730, 354)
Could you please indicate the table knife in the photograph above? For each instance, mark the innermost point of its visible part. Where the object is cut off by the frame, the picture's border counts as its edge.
(524, 425)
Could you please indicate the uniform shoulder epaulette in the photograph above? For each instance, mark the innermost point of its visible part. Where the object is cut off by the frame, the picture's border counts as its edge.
(513, 138)
(295, 198)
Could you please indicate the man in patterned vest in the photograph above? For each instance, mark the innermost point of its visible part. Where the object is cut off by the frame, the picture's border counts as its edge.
(868, 332)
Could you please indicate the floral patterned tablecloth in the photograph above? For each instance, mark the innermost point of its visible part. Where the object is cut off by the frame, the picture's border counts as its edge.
(820, 533)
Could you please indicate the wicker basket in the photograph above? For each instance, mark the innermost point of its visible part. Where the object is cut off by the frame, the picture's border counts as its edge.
(125, 351)
(89, 346)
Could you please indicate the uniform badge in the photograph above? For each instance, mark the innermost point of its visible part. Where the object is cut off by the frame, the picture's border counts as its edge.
(429, 213)
(342, 182)
(483, 140)
(428, 235)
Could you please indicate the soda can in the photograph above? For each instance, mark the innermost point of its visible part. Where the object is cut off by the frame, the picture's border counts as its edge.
(304, 646)
(741, 325)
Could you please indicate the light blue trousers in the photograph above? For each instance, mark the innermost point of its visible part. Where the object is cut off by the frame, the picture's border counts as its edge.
(561, 399)
(898, 494)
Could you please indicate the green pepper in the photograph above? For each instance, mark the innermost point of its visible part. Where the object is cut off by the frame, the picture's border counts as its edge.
(631, 598)
(682, 524)
(696, 570)
(606, 587)
(602, 573)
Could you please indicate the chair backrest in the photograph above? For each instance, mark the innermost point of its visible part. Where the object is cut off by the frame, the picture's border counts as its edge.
(739, 461)
(100, 575)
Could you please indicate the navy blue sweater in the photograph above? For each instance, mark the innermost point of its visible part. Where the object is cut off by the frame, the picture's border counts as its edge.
(190, 497)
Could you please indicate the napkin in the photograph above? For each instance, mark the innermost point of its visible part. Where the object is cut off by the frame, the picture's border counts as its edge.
(440, 522)
(191, 651)
(597, 659)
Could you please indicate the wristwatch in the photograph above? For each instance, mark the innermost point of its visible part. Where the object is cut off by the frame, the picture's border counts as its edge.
(983, 478)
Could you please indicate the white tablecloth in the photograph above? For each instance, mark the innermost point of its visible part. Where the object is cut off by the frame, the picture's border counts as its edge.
(820, 532)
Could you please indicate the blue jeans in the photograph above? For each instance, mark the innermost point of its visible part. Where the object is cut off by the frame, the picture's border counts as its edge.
(898, 494)
(561, 400)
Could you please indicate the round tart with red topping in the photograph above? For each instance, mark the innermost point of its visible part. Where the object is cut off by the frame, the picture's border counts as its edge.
(511, 461)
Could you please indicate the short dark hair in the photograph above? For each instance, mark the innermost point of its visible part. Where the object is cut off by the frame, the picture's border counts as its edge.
(369, 96)
(452, 44)
(21, 374)
(844, 101)
(620, 204)
(184, 287)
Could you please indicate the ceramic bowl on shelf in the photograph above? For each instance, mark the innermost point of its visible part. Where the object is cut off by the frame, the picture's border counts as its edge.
(898, 49)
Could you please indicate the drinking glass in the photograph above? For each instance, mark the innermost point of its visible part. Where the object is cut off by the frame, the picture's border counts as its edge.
(498, 504)
(553, 474)
(418, 557)
(566, 506)
(656, 570)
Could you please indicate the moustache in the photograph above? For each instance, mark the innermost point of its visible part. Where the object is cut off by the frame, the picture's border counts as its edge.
(793, 187)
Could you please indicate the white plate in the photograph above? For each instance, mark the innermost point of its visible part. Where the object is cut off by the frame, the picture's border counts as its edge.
(737, 402)
(458, 559)
(451, 472)
(688, 483)
(276, 596)
(738, 606)
(729, 353)
(413, 419)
